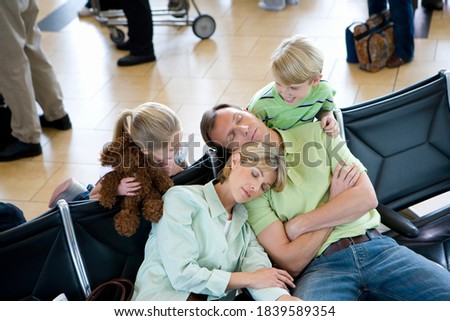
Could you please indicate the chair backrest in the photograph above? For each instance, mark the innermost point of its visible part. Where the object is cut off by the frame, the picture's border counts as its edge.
(35, 261)
(105, 254)
(203, 170)
(404, 141)
(100, 246)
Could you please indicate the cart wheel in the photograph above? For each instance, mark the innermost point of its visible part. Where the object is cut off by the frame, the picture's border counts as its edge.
(204, 26)
(116, 35)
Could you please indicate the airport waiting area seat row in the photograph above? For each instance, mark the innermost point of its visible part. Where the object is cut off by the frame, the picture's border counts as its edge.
(402, 138)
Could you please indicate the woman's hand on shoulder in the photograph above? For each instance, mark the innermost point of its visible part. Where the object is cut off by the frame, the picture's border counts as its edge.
(271, 277)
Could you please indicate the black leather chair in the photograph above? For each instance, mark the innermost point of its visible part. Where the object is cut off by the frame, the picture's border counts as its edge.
(100, 244)
(36, 262)
(203, 170)
(433, 241)
(74, 247)
(404, 141)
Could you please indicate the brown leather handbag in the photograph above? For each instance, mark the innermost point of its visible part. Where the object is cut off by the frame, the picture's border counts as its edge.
(118, 289)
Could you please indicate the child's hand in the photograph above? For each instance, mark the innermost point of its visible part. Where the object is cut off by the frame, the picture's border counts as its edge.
(128, 187)
(330, 125)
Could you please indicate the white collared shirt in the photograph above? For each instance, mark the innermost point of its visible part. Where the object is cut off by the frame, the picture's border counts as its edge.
(188, 251)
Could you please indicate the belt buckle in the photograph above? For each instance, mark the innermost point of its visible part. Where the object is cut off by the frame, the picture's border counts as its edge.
(371, 234)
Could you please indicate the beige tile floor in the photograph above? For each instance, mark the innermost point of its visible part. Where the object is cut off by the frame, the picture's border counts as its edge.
(192, 75)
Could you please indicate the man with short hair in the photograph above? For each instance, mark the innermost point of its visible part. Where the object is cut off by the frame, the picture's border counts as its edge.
(322, 227)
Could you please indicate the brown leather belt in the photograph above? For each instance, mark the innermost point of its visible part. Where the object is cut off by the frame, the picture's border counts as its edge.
(349, 241)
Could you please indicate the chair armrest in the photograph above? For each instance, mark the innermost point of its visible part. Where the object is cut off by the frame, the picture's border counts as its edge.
(397, 222)
(340, 120)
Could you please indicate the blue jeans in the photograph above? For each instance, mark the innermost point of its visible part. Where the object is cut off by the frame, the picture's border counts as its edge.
(402, 13)
(379, 269)
(84, 195)
(10, 216)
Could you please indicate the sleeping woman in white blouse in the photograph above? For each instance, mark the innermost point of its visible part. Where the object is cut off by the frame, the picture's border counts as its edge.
(203, 248)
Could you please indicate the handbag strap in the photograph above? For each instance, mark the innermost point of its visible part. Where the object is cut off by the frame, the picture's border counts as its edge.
(374, 30)
(125, 286)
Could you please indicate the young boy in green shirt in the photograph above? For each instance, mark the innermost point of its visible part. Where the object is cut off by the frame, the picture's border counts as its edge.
(298, 95)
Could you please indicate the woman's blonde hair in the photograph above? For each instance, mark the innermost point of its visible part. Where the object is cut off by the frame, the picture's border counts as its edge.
(262, 155)
(296, 60)
(150, 125)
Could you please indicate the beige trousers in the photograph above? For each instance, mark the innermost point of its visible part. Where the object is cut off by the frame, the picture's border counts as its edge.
(26, 75)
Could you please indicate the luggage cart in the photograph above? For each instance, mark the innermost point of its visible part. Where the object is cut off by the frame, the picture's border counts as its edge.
(203, 25)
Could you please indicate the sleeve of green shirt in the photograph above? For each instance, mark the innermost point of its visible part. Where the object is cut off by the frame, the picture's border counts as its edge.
(262, 214)
(338, 152)
(255, 259)
(258, 110)
(256, 106)
(328, 92)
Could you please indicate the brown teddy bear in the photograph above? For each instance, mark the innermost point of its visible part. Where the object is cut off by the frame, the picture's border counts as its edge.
(127, 160)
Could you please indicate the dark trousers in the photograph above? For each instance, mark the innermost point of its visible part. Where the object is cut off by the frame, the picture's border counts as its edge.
(140, 26)
(402, 13)
(106, 4)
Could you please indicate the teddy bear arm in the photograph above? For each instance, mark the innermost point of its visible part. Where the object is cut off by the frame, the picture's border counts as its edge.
(108, 189)
(152, 209)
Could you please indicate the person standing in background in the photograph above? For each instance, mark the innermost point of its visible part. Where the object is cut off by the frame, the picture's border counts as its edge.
(275, 5)
(89, 9)
(26, 76)
(433, 4)
(140, 33)
(5, 123)
(402, 13)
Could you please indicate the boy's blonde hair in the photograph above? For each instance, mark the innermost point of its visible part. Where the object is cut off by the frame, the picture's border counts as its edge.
(296, 60)
(262, 155)
(150, 125)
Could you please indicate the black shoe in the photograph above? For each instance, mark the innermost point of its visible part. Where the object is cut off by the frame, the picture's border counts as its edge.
(5, 126)
(395, 61)
(433, 5)
(175, 5)
(2, 101)
(124, 46)
(61, 124)
(131, 60)
(16, 150)
(5, 140)
(178, 5)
